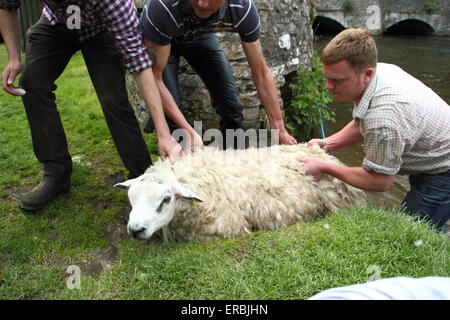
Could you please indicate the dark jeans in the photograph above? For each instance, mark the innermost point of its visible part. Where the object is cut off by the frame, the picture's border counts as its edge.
(49, 49)
(429, 198)
(209, 61)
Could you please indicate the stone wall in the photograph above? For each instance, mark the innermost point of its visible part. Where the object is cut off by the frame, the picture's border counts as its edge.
(287, 45)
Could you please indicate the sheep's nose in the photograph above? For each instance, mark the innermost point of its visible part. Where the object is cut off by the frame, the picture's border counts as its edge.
(135, 232)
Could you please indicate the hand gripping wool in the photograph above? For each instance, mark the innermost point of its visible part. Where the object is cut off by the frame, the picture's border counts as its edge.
(214, 194)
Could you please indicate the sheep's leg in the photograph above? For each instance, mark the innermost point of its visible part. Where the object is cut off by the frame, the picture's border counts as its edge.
(165, 231)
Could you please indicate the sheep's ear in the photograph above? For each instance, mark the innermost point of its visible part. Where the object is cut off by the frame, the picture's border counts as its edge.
(182, 192)
(124, 185)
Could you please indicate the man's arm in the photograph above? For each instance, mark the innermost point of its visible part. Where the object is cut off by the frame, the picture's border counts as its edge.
(348, 135)
(121, 22)
(167, 146)
(267, 91)
(9, 28)
(384, 147)
(160, 55)
(355, 176)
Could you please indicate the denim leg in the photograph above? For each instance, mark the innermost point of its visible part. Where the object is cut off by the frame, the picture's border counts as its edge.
(208, 59)
(170, 79)
(429, 198)
(211, 64)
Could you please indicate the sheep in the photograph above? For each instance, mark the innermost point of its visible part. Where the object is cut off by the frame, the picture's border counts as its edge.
(214, 193)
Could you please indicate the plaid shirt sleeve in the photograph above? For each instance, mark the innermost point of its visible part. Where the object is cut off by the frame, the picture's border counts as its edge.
(121, 22)
(384, 147)
(10, 5)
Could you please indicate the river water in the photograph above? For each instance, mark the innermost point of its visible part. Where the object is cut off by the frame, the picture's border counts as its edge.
(427, 59)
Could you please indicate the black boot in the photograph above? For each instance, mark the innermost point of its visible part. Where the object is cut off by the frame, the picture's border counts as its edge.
(44, 193)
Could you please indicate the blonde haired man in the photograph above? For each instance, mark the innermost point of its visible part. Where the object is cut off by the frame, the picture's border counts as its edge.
(404, 125)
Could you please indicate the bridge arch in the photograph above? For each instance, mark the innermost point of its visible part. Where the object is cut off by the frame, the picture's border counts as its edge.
(327, 26)
(410, 27)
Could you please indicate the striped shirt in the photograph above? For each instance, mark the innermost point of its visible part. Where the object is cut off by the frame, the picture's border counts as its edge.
(117, 17)
(164, 21)
(406, 126)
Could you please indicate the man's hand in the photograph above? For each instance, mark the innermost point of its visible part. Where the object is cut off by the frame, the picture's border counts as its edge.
(313, 167)
(283, 137)
(9, 30)
(192, 141)
(196, 141)
(9, 75)
(322, 143)
(286, 138)
(169, 148)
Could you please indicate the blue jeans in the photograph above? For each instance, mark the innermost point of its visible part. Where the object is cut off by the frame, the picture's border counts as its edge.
(429, 198)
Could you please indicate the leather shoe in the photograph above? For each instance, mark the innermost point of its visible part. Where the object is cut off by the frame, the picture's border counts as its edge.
(44, 193)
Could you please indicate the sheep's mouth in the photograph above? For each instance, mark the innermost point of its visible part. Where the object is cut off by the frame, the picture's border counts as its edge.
(140, 236)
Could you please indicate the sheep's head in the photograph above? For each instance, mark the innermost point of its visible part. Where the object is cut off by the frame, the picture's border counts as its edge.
(152, 197)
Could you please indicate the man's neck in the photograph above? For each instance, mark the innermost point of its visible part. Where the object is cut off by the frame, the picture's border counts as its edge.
(358, 100)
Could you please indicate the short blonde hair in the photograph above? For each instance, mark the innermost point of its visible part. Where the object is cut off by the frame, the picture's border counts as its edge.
(354, 45)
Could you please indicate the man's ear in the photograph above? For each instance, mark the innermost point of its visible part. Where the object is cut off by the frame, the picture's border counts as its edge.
(124, 185)
(368, 74)
(182, 192)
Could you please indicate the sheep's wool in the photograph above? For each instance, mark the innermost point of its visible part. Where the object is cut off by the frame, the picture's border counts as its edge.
(252, 189)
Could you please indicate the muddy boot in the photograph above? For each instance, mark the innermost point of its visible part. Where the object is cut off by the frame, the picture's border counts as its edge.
(44, 193)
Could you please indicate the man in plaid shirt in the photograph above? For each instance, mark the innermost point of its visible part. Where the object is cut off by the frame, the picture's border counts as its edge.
(405, 127)
(109, 39)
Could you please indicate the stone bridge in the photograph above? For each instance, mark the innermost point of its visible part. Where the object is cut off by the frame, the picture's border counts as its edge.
(385, 16)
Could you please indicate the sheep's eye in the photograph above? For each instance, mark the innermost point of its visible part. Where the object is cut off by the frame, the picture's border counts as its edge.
(165, 201)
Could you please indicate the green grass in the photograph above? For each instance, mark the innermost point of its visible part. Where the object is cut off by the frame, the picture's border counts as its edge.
(292, 263)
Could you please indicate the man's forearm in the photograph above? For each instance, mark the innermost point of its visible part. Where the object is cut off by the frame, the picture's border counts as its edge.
(359, 177)
(265, 84)
(160, 56)
(170, 107)
(268, 94)
(149, 92)
(349, 135)
(9, 28)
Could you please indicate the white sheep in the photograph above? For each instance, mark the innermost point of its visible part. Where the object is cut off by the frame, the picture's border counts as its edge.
(233, 192)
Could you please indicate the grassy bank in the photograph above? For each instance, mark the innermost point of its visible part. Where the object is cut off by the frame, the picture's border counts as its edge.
(86, 228)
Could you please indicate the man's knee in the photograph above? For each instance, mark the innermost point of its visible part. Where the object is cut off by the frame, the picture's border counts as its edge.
(433, 208)
(231, 115)
(235, 122)
(25, 80)
(115, 100)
